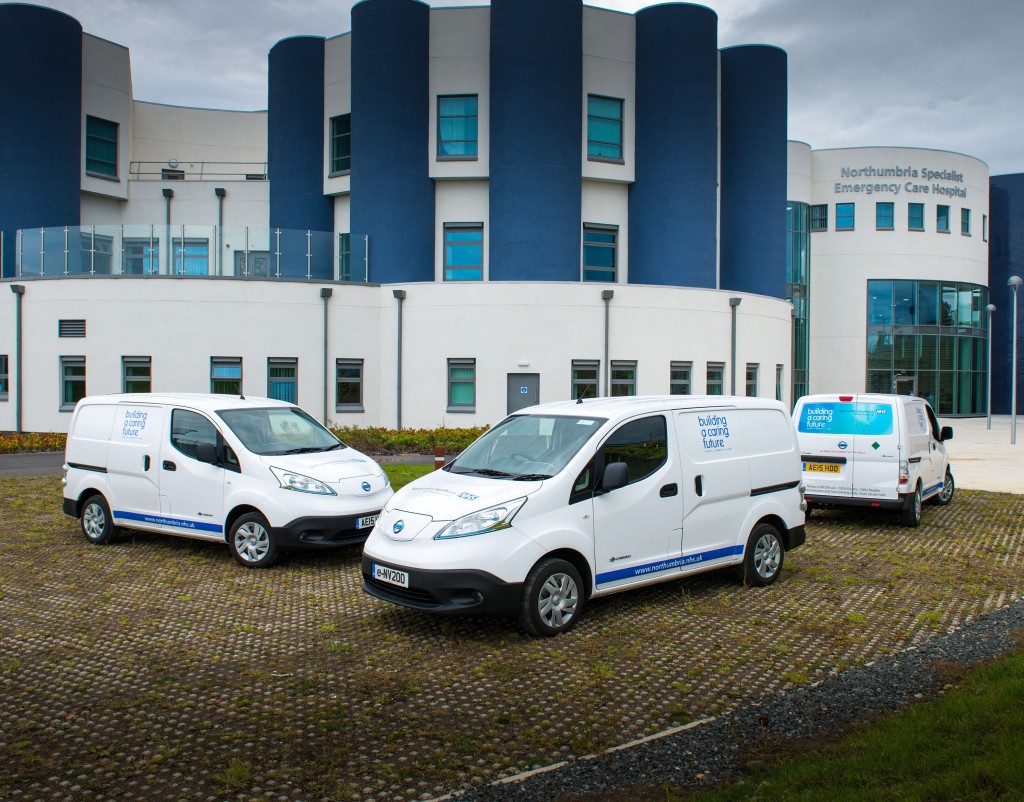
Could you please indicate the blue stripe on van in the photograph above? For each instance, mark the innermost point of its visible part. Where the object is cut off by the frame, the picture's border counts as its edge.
(668, 565)
(163, 520)
(933, 489)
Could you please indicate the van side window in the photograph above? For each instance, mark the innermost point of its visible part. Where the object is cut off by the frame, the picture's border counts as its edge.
(188, 429)
(932, 422)
(583, 487)
(641, 444)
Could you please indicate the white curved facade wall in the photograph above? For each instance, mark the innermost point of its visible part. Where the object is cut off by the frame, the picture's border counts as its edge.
(844, 261)
(508, 328)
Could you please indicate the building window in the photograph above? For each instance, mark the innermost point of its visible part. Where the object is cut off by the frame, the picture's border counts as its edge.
(984, 227)
(819, 217)
(679, 378)
(70, 328)
(226, 375)
(915, 216)
(778, 382)
(965, 222)
(884, 216)
(456, 127)
(844, 216)
(942, 219)
(348, 388)
(752, 370)
(100, 147)
(136, 374)
(716, 378)
(463, 251)
(604, 128)
(168, 174)
(623, 378)
(341, 144)
(72, 381)
(193, 259)
(282, 379)
(599, 244)
(5, 377)
(141, 256)
(584, 378)
(344, 257)
(461, 385)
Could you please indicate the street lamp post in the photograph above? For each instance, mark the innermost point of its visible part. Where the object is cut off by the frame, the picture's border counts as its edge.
(988, 371)
(1014, 282)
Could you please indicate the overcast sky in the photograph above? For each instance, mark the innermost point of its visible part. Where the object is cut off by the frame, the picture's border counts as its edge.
(946, 74)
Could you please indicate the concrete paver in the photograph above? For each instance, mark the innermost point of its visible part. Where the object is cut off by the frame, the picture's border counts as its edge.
(984, 459)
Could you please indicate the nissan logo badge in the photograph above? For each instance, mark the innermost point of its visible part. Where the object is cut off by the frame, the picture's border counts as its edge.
(398, 527)
(842, 444)
(366, 487)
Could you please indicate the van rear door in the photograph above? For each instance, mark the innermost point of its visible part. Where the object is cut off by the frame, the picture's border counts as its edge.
(825, 431)
(876, 448)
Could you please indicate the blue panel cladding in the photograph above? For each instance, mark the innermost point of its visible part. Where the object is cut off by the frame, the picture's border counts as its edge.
(535, 142)
(392, 192)
(673, 203)
(1005, 259)
(40, 122)
(752, 227)
(295, 146)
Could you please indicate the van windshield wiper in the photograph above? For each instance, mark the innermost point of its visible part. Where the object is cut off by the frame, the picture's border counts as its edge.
(305, 450)
(487, 472)
(531, 477)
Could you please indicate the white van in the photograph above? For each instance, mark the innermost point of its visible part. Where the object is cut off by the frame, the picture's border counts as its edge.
(257, 473)
(562, 502)
(873, 450)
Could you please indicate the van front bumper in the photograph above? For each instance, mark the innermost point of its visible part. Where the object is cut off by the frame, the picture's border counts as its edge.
(322, 531)
(450, 592)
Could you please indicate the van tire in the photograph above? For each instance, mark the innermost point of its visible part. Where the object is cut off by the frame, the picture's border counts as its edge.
(251, 542)
(911, 512)
(96, 520)
(944, 496)
(552, 598)
(763, 557)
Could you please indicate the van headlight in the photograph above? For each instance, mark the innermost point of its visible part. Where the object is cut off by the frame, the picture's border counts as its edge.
(304, 484)
(478, 523)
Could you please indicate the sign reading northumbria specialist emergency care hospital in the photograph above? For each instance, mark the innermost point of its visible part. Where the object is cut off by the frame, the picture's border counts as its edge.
(909, 179)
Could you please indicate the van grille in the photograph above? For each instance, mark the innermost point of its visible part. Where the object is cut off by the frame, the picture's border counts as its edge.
(409, 596)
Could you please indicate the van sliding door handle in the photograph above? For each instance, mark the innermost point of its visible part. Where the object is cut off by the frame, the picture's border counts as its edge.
(145, 462)
(169, 466)
(669, 490)
(698, 485)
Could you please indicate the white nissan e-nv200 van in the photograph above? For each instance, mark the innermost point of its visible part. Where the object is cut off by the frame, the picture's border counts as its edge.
(873, 450)
(257, 473)
(567, 501)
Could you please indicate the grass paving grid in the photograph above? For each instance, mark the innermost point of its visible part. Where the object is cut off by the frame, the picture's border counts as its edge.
(156, 668)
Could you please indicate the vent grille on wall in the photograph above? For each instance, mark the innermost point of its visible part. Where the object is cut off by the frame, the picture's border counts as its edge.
(71, 328)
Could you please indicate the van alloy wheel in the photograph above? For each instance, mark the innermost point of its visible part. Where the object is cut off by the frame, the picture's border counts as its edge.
(944, 496)
(251, 542)
(911, 512)
(97, 523)
(763, 556)
(552, 598)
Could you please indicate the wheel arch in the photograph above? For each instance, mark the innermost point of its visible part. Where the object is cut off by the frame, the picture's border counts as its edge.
(87, 493)
(780, 527)
(578, 561)
(237, 512)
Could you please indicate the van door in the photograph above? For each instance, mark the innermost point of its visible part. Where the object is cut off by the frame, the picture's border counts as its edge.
(715, 485)
(191, 492)
(937, 456)
(824, 429)
(637, 527)
(876, 449)
(133, 473)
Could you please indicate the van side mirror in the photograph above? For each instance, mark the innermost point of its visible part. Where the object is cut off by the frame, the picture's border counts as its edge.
(616, 475)
(946, 433)
(206, 452)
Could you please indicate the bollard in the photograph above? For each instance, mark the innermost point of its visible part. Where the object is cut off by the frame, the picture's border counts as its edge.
(438, 457)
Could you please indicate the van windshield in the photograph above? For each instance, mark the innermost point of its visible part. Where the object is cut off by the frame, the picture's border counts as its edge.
(279, 430)
(527, 447)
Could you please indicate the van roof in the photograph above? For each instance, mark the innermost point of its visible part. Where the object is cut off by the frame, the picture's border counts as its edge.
(890, 398)
(639, 404)
(210, 402)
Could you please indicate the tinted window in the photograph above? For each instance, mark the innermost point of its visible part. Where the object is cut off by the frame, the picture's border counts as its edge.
(846, 418)
(189, 429)
(641, 444)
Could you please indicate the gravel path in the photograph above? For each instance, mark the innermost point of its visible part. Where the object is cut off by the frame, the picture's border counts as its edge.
(709, 751)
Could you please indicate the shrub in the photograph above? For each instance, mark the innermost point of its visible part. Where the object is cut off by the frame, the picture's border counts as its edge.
(376, 440)
(12, 443)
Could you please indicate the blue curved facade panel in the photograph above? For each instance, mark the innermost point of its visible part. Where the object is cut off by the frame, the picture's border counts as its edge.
(535, 150)
(753, 197)
(392, 192)
(673, 201)
(1005, 259)
(40, 122)
(295, 143)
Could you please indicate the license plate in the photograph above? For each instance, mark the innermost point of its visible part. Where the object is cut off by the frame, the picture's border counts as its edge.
(390, 575)
(366, 521)
(823, 467)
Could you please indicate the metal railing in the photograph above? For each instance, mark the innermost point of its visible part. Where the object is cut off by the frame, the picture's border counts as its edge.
(173, 170)
(186, 250)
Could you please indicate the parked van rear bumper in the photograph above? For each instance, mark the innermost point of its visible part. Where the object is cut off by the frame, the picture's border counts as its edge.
(451, 592)
(322, 532)
(849, 501)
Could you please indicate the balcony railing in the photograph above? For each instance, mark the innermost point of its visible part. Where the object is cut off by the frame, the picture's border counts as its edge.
(174, 170)
(185, 250)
